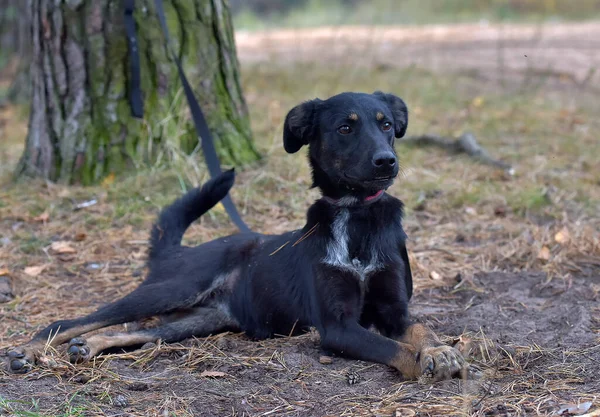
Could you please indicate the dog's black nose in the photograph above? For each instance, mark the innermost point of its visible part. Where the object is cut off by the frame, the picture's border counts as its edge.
(384, 159)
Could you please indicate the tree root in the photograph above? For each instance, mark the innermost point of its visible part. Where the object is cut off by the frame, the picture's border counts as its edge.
(464, 144)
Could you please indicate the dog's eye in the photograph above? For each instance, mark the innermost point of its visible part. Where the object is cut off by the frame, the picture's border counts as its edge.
(344, 130)
(386, 126)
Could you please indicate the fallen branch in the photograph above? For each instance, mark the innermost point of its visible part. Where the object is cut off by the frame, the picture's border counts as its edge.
(465, 144)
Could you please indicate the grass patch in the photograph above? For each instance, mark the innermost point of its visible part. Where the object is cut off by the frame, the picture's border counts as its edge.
(525, 129)
(530, 200)
(10, 406)
(33, 245)
(31, 408)
(550, 142)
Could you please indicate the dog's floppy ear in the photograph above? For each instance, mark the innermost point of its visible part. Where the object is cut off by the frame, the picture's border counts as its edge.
(399, 112)
(299, 126)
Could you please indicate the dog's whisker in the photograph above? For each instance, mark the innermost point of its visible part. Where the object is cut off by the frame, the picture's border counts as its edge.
(402, 171)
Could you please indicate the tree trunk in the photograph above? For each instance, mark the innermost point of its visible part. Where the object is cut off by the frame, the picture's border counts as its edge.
(81, 128)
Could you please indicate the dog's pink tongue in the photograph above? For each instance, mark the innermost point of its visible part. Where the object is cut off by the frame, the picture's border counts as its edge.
(374, 196)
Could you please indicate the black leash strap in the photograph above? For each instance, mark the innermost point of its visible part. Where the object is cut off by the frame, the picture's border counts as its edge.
(202, 130)
(135, 90)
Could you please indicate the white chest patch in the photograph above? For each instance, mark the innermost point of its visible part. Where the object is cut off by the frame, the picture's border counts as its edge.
(337, 250)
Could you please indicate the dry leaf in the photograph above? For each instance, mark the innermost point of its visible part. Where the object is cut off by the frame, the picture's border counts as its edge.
(47, 361)
(213, 374)
(64, 193)
(44, 217)
(219, 207)
(66, 258)
(4, 271)
(80, 236)
(62, 247)
(500, 211)
(544, 253)
(477, 102)
(563, 236)
(564, 114)
(34, 271)
(326, 360)
(108, 180)
(435, 276)
(463, 344)
(138, 255)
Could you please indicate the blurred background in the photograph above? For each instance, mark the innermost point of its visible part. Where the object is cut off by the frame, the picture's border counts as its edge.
(263, 14)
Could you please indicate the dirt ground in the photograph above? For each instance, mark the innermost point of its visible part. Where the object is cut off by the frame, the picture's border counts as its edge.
(516, 289)
(534, 340)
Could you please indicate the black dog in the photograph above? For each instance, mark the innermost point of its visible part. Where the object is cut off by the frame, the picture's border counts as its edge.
(347, 270)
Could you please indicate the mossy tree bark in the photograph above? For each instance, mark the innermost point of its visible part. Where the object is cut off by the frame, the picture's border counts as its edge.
(81, 128)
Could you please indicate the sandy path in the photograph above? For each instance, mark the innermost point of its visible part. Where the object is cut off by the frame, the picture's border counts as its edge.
(568, 52)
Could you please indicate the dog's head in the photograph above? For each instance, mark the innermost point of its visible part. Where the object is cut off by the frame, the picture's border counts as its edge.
(351, 142)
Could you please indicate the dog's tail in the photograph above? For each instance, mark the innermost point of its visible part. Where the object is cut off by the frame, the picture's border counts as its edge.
(176, 218)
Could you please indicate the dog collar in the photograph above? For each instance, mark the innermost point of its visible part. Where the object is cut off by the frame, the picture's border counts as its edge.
(350, 200)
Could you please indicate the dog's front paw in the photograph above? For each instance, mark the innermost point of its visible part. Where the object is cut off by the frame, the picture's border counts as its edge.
(21, 360)
(441, 362)
(78, 350)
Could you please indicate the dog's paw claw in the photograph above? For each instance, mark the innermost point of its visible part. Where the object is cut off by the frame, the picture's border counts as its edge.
(20, 361)
(78, 350)
(428, 367)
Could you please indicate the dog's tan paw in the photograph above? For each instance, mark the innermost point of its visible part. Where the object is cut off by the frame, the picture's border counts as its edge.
(21, 360)
(440, 363)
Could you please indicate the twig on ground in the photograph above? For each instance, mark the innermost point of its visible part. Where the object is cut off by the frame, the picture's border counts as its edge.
(466, 143)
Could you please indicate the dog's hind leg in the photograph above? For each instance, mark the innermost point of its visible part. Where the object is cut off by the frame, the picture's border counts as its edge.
(201, 322)
(145, 301)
